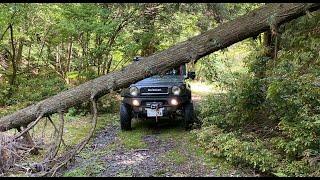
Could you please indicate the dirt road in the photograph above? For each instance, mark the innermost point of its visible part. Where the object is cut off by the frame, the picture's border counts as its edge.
(165, 150)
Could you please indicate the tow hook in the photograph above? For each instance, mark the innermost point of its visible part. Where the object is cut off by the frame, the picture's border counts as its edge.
(155, 106)
(157, 109)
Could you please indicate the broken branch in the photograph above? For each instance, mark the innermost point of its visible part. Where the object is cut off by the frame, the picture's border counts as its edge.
(28, 128)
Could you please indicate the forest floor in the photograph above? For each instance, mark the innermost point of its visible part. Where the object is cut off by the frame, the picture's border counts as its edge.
(150, 150)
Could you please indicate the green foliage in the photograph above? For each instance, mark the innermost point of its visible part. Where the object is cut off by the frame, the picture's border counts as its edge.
(226, 65)
(269, 118)
(33, 89)
(280, 174)
(136, 140)
(109, 103)
(176, 157)
(80, 42)
(4, 89)
(236, 150)
(90, 169)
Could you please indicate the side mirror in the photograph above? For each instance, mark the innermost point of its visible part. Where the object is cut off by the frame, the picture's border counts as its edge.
(191, 75)
(137, 58)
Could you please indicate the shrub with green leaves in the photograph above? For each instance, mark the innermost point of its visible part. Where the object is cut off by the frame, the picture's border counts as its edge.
(269, 119)
(109, 103)
(30, 89)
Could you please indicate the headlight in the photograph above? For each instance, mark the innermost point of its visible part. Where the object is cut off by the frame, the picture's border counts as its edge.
(133, 91)
(176, 90)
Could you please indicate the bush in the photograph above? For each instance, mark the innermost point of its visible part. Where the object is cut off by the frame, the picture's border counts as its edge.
(109, 103)
(270, 117)
(34, 89)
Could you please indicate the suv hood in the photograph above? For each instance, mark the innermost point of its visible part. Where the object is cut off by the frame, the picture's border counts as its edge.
(166, 79)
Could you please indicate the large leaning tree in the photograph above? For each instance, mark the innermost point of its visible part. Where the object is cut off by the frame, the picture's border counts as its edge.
(251, 24)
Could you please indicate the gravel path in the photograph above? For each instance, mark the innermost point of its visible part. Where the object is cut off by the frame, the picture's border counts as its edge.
(106, 157)
(109, 159)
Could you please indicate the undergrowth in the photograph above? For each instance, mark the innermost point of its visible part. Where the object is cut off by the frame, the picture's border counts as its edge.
(269, 119)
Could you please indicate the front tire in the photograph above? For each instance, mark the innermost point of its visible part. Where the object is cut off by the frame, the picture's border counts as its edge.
(125, 117)
(188, 115)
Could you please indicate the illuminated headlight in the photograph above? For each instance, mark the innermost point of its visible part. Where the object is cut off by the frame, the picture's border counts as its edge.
(176, 90)
(133, 91)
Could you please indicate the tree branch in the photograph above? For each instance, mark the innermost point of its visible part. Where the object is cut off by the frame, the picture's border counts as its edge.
(4, 32)
(28, 128)
(79, 146)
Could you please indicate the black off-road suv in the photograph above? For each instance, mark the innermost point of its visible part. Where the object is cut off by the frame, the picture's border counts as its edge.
(157, 97)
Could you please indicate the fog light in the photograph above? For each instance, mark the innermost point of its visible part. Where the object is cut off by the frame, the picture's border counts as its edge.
(174, 102)
(135, 102)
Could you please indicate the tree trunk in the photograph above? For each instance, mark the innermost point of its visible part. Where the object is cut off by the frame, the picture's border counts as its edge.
(19, 53)
(29, 55)
(68, 68)
(110, 43)
(193, 49)
(109, 64)
(58, 63)
(149, 16)
(12, 81)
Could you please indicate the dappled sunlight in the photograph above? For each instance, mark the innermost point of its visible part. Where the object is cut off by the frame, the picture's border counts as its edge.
(135, 159)
(201, 88)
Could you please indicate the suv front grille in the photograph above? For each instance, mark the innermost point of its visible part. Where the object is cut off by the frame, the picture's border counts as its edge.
(154, 90)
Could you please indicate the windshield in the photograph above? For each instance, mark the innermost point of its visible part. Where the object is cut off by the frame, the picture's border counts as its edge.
(156, 79)
(177, 71)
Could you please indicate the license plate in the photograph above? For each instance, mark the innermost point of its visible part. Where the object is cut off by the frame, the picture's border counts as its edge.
(154, 112)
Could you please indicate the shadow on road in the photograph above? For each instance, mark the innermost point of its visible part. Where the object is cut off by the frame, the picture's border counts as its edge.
(162, 124)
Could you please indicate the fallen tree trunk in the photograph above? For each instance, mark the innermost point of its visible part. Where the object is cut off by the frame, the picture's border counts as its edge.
(193, 49)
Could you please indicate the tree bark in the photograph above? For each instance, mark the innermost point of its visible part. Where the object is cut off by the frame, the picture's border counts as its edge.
(193, 49)
(13, 77)
(68, 68)
(150, 13)
(13, 58)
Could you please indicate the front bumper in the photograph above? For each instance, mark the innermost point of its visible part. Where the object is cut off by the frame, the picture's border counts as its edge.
(162, 102)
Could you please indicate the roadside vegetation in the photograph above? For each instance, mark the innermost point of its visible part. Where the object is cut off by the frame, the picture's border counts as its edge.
(256, 109)
(268, 122)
